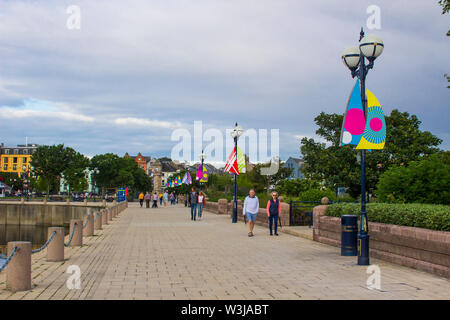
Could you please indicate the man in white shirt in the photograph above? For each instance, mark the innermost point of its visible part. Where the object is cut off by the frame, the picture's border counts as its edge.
(250, 208)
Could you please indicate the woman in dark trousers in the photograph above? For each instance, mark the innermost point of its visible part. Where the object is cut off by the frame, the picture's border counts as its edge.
(273, 212)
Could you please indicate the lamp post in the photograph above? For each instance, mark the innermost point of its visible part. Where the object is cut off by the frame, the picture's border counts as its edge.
(26, 171)
(95, 171)
(370, 47)
(202, 159)
(236, 133)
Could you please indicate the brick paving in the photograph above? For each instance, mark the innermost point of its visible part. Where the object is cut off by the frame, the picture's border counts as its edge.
(162, 254)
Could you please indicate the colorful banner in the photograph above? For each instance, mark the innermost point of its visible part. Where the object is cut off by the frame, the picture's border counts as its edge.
(363, 131)
(232, 165)
(187, 178)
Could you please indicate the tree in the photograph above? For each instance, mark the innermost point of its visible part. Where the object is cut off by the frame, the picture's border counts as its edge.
(423, 181)
(13, 180)
(49, 162)
(338, 167)
(74, 174)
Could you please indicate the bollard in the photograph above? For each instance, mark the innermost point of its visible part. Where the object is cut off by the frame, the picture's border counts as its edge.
(88, 231)
(349, 233)
(22, 200)
(77, 239)
(44, 201)
(55, 249)
(18, 271)
(104, 203)
(85, 202)
(68, 201)
(105, 217)
(98, 220)
(109, 214)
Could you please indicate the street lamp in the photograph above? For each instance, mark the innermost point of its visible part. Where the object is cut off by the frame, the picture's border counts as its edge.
(236, 133)
(202, 159)
(26, 172)
(370, 47)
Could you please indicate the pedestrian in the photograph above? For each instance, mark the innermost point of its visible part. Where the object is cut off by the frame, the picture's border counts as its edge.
(193, 197)
(141, 199)
(172, 198)
(155, 200)
(160, 198)
(166, 198)
(273, 212)
(147, 198)
(200, 203)
(250, 208)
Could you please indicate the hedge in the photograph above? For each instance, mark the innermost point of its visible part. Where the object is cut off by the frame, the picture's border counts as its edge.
(428, 216)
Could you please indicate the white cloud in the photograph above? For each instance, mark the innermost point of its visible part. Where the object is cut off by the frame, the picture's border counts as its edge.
(142, 122)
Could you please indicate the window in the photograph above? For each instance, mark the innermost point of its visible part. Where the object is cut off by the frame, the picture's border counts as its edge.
(6, 151)
(24, 160)
(25, 151)
(15, 160)
(5, 167)
(16, 151)
(14, 167)
(5, 160)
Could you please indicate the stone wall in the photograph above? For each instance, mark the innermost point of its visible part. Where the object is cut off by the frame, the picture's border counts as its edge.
(422, 249)
(43, 214)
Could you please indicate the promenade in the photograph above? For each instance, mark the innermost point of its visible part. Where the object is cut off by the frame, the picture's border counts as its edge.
(162, 254)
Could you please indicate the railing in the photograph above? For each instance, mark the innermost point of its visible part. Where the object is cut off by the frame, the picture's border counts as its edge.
(45, 244)
(301, 212)
(8, 259)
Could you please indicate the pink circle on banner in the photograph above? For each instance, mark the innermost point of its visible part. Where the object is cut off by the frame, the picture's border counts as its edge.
(354, 121)
(376, 124)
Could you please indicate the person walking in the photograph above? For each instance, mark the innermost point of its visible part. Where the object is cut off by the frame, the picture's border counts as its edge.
(166, 198)
(155, 200)
(160, 198)
(273, 212)
(141, 199)
(200, 203)
(193, 196)
(250, 208)
(147, 198)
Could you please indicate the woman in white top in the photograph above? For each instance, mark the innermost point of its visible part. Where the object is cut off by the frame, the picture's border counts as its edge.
(200, 203)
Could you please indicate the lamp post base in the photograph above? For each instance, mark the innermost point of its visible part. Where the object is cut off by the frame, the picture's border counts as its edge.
(234, 215)
(363, 249)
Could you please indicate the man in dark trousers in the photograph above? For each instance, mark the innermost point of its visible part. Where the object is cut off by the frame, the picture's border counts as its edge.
(193, 200)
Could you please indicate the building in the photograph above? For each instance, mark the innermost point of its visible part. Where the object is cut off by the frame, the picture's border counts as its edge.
(296, 165)
(16, 159)
(140, 159)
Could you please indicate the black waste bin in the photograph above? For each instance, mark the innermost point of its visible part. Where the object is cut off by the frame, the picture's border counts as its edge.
(349, 235)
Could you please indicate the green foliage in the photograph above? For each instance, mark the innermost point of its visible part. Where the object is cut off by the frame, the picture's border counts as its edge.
(117, 171)
(435, 217)
(49, 162)
(337, 166)
(13, 180)
(316, 195)
(293, 187)
(74, 174)
(424, 181)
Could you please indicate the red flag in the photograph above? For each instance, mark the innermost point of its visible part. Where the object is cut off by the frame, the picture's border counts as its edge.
(232, 165)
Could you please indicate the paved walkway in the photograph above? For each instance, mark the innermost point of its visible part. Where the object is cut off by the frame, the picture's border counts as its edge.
(162, 254)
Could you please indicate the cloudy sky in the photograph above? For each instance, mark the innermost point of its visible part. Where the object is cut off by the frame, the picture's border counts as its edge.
(136, 70)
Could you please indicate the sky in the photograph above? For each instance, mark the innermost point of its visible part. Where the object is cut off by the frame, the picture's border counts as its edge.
(136, 71)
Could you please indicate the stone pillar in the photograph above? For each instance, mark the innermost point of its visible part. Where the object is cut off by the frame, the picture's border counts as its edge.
(18, 271)
(44, 201)
(55, 249)
(109, 214)
(89, 229)
(68, 201)
(223, 206)
(98, 220)
(104, 217)
(22, 200)
(285, 208)
(104, 203)
(85, 201)
(77, 239)
(317, 213)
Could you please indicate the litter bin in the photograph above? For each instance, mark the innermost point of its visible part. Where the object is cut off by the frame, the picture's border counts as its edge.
(349, 235)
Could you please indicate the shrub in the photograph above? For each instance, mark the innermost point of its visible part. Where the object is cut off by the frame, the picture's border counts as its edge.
(424, 181)
(316, 195)
(435, 217)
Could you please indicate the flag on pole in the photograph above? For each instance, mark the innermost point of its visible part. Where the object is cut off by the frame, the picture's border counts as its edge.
(199, 173)
(232, 165)
(240, 160)
(179, 181)
(187, 178)
(204, 177)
